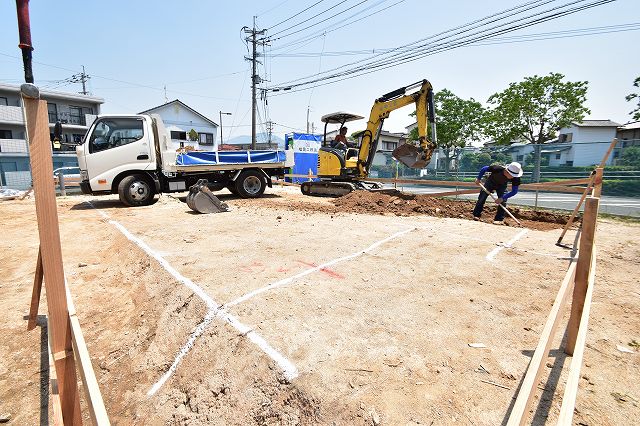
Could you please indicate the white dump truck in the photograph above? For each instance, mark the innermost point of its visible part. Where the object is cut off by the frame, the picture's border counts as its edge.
(133, 156)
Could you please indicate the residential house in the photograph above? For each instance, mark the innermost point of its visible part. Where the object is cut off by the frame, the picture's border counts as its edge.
(75, 111)
(582, 144)
(628, 135)
(180, 119)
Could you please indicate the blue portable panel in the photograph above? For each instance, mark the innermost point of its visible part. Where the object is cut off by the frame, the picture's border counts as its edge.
(305, 154)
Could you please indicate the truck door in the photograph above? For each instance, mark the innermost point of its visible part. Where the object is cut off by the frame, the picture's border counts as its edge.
(117, 144)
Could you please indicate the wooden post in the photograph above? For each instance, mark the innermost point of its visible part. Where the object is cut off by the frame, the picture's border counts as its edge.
(37, 123)
(597, 182)
(35, 293)
(612, 145)
(589, 222)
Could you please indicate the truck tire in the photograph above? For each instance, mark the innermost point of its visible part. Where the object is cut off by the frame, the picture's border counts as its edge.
(136, 190)
(232, 188)
(250, 184)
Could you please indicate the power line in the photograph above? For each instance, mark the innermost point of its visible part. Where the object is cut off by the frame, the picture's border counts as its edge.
(297, 14)
(498, 40)
(271, 39)
(368, 65)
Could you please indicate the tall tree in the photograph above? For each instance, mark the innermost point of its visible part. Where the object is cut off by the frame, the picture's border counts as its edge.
(532, 110)
(636, 112)
(458, 121)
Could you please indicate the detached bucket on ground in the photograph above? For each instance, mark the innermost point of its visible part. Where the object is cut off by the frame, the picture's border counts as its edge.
(411, 156)
(202, 200)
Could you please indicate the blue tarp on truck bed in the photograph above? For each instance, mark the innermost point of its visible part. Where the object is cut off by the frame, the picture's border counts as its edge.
(229, 157)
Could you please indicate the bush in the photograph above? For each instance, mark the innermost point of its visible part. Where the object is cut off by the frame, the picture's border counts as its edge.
(621, 187)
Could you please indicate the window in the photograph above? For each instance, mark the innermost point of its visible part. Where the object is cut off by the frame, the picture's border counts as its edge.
(520, 158)
(390, 146)
(179, 135)
(4, 101)
(53, 112)
(77, 138)
(567, 137)
(206, 138)
(6, 134)
(75, 115)
(558, 155)
(569, 163)
(111, 133)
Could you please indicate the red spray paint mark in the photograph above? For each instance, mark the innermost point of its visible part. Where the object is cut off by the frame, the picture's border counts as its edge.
(331, 273)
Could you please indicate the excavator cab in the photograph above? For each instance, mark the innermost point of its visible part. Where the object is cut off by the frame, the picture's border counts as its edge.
(335, 161)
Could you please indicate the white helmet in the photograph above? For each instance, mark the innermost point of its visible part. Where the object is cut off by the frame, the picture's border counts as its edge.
(515, 169)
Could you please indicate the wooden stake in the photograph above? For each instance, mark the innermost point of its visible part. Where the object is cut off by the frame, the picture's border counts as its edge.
(35, 293)
(37, 122)
(597, 182)
(583, 270)
(612, 145)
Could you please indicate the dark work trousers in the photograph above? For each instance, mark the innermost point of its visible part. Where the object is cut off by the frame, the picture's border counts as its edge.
(477, 211)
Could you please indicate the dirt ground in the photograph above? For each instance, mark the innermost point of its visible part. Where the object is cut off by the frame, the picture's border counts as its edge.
(373, 299)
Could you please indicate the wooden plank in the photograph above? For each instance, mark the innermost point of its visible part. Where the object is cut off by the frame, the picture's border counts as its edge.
(449, 193)
(35, 293)
(92, 390)
(589, 225)
(37, 124)
(577, 208)
(573, 379)
(521, 407)
(564, 182)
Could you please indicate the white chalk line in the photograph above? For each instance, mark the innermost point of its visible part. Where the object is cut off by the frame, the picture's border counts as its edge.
(493, 243)
(290, 372)
(493, 253)
(315, 269)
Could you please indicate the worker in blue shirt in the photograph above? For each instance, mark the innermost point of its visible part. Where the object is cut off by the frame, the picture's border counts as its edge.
(497, 181)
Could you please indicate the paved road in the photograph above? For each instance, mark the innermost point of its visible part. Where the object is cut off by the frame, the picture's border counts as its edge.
(622, 206)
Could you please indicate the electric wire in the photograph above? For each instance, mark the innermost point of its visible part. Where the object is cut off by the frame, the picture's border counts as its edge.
(370, 65)
(297, 14)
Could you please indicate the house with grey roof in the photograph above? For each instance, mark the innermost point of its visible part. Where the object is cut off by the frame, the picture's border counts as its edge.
(180, 119)
(582, 144)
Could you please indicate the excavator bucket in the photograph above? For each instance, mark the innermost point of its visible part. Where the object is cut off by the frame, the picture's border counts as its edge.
(202, 200)
(411, 156)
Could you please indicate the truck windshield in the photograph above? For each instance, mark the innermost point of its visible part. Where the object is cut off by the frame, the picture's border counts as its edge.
(112, 132)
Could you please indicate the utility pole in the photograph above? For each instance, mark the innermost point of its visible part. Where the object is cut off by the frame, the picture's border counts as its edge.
(269, 129)
(84, 78)
(255, 78)
(307, 119)
(221, 113)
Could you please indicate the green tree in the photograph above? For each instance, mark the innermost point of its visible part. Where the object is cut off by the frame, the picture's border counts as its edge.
(636, 112)
(458, 121)
(532, 110)
(193, 135)
(630, 157)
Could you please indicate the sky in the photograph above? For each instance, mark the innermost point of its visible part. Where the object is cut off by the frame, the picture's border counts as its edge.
(134, 49)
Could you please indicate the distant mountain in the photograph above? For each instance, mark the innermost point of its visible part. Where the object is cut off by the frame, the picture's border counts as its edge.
(260, 137)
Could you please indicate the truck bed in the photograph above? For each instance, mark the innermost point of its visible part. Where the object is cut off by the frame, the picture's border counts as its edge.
(224, 160)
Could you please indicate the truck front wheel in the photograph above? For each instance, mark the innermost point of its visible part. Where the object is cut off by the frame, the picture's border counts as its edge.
(250, 184)
(136, 191)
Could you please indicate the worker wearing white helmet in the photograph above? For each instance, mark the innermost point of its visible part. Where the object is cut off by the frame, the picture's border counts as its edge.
(497, 181)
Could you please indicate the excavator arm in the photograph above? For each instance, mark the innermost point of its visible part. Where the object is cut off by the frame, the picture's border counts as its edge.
(409, 154)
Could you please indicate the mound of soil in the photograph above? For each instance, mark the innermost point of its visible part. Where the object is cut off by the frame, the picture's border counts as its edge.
(402, 204)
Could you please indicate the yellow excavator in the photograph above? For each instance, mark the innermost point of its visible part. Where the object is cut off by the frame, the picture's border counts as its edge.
(344, 169)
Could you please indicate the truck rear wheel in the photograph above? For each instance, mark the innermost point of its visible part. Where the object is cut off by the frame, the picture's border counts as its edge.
(250, 184)
(136, 190)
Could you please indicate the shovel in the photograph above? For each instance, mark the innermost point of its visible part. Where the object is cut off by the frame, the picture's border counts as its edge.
(202, 200)
(411, 156)
(503, 207)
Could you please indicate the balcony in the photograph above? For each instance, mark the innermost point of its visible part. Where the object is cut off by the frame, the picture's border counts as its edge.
(13, 145)
(11, 115)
